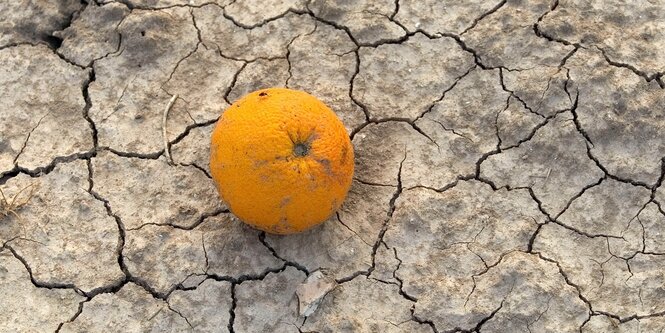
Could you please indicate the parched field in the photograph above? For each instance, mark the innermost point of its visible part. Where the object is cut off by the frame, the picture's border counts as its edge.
(508, 178)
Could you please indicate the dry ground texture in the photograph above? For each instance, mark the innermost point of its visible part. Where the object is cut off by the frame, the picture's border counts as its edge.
(509, 173)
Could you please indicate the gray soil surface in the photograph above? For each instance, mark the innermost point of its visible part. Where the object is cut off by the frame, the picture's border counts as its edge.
(509, 166)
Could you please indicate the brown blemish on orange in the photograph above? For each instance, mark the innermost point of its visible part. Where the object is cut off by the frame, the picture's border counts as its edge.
(344, 155)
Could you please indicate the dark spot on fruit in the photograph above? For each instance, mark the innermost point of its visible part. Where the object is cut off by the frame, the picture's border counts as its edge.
(263, 93)
(259, 163)
(325, 163)
(300, 149)
(342, 158)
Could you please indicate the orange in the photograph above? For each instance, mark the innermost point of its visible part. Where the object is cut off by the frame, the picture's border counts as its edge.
(281, 159)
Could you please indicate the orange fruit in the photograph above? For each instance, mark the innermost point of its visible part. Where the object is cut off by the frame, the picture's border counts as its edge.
(281, 159)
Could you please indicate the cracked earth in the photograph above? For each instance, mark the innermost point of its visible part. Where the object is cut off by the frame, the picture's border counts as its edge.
(509, 166)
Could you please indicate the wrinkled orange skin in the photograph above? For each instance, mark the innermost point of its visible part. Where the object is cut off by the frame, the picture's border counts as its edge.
(269, 183)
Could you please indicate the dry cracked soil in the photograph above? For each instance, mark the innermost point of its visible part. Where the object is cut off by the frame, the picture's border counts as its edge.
(509, 166)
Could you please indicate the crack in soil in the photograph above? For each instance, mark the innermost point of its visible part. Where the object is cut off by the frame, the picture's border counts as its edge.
(76, 314)
(656, 77)
(35, 282)
(232, 310)
(288, 52)
(300, 267)
(590, 145)
(485, 14)
(27, 138)
(122, 231)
